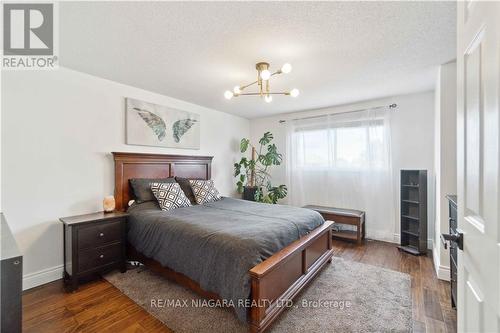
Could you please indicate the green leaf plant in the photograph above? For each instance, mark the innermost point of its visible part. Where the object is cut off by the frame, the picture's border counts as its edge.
(254, 172)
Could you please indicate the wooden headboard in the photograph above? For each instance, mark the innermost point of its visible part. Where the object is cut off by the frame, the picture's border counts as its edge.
(135, 165)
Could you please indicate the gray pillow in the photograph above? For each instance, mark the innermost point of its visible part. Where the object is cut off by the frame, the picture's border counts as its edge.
(186, 188)
(142, 187)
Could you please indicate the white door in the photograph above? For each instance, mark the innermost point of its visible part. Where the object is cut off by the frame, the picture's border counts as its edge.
(478, 60)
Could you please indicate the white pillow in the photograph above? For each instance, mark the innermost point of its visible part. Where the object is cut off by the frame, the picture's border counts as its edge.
(169, 195)
(204, 191)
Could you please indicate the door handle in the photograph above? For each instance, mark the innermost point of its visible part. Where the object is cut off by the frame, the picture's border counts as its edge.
(457, 237)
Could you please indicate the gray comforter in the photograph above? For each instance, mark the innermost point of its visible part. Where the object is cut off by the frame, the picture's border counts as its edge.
(216, 244)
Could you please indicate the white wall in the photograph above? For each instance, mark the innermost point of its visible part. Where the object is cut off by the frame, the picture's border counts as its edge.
(1, 134)
(412, 140)
(445, 159)
(58, 130)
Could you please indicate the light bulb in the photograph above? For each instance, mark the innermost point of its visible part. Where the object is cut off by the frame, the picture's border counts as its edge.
(286, 68)
(294, 92)
(237, 90)
(268, 98)
(228, 94)
(265, 75)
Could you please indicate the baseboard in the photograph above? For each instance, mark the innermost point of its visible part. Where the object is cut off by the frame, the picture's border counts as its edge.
(442, 272)
(430, 242)
(43, 276)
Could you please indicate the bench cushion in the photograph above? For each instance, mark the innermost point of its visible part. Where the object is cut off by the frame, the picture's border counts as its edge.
(337, 211)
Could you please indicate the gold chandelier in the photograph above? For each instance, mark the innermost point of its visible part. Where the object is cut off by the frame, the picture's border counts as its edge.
(263, 77)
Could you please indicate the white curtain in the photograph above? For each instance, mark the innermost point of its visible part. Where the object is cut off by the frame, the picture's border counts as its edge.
(344, 161)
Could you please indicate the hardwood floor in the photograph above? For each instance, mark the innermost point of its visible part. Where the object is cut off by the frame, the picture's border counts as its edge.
(99, 307)
(432, 311)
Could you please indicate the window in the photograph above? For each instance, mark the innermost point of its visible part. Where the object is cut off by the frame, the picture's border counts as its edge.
(351, 145)
(344, 160)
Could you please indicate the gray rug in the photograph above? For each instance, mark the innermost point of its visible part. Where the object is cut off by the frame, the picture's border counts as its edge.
(345, 297)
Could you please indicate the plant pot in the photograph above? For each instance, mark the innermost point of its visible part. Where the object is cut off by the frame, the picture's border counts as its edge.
(249, 193)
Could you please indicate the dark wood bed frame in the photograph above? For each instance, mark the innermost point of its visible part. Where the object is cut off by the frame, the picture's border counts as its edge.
(274, 281)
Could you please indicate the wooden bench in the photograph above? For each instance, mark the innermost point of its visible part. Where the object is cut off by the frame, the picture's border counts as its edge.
(344, 216)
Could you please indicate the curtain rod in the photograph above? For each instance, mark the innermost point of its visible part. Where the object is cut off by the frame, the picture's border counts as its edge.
(391, 106)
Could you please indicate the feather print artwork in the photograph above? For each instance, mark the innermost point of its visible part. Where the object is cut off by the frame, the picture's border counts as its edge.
(156, 123)
(149, 124)
(180, 127)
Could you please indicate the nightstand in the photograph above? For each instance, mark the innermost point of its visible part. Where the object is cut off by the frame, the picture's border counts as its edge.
(93, 243)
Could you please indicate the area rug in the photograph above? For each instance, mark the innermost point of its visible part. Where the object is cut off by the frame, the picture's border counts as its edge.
(346, 296)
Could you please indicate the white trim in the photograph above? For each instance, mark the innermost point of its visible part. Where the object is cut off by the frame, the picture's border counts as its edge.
(442, 272)
(43, 276)
(430, 242)
(47, 275)
(384, 237)
(397, 238)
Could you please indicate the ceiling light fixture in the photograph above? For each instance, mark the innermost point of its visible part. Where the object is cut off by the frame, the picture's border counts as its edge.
(294, 92)
(263, 77)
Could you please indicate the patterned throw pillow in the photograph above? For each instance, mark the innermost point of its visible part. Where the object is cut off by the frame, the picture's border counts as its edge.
(169, 195)
(204, 191)
(142, 187)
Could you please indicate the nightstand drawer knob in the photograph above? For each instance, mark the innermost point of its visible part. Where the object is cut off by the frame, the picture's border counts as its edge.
(101, 256)
(101, 234)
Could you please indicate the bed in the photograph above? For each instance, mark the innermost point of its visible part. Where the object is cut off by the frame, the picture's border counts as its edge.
(230, 249)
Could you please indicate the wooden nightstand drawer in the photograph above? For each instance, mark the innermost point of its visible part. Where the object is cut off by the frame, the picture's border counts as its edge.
(98, 257)
(99, 234)
(93, 243)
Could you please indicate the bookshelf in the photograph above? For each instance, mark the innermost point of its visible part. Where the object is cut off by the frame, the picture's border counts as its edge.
(413, 211)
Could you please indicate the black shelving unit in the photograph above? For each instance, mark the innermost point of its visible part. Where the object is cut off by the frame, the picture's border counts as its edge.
(414, 211)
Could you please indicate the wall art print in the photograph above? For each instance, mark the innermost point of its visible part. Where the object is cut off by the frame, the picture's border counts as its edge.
(150, 124)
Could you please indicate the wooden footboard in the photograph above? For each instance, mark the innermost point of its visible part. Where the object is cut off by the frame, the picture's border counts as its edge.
(280, 278)
(275, 281)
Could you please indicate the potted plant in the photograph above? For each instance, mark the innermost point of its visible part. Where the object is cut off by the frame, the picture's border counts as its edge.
(254, 180)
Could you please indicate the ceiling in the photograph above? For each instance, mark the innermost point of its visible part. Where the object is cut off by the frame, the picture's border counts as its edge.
(341, 52)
